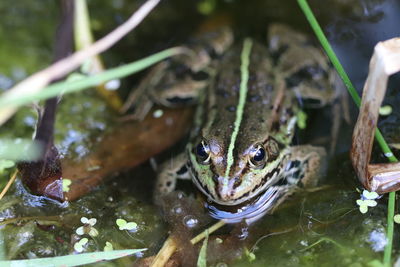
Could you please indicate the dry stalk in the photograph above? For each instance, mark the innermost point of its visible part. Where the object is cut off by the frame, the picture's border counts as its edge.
(170, 245)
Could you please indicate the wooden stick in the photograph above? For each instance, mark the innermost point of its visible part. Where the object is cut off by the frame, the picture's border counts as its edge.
(8, 185)
(170, 245)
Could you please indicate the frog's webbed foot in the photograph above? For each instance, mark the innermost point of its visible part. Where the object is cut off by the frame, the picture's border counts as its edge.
(141, 98)
(179, 80)
(308, 74)
(170, 83)
(306, 164)
(170, 171)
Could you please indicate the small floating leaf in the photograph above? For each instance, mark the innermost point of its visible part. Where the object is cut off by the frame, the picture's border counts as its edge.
(363, 206)
(396, 218)
(130, 226)
(250, 255)
(108, 247)
(124, 225)
(385, 110)
(79, 245)
(93, 232)
(301, 119)
(80, 231)
(91, 221)
(65, 184)
(370, 203)
(370, 195)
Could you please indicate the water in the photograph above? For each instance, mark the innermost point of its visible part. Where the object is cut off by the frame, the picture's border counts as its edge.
(322, 227)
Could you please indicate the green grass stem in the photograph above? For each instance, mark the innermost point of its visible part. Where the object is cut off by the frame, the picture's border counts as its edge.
(90, 81)
(378, 135)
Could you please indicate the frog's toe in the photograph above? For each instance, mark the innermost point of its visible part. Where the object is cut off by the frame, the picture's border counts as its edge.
(166, 183)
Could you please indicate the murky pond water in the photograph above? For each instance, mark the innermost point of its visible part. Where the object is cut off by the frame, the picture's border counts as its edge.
(318, 227)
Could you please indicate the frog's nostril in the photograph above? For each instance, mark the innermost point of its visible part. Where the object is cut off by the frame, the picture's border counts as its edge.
(237, 182)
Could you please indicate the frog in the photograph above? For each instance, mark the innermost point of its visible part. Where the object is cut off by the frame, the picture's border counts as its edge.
(240, 154)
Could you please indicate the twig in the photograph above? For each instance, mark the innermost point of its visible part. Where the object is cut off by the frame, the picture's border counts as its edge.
(8, 185)
(40, 79)
(207, 232)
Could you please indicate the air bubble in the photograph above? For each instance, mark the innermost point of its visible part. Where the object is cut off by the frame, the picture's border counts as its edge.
(177, 209)
(190, 221)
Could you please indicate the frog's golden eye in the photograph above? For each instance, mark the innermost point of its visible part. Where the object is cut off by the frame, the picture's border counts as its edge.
(259, 157)
(202, 151)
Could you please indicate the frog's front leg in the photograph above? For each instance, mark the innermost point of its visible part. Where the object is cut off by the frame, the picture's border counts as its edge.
(179, 80)
(169, 172)
(170, 84)
(306, 164)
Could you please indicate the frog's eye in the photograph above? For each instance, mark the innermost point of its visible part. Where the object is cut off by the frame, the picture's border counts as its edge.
(203, 152)
(258, 159)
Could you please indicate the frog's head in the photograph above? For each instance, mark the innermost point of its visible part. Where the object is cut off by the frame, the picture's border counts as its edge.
(232, 175)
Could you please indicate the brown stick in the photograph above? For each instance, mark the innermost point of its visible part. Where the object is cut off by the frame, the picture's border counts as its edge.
(8, 185)
(170, 245)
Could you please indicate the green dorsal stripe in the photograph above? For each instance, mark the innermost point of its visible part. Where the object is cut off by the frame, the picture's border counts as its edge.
(244, 71)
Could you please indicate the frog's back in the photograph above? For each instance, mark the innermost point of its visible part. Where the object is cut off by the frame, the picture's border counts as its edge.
(264, 103)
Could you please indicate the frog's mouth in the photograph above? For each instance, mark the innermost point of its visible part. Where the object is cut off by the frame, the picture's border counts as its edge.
(251, 210)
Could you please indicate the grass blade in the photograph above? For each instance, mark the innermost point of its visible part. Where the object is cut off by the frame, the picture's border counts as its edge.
(19, 149)
(378, 135)
(72, 260)
(68, 87)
